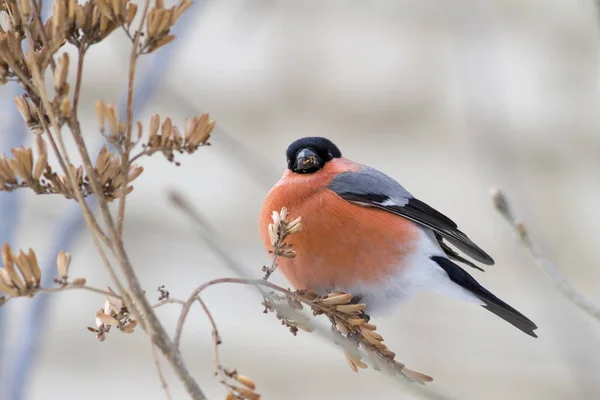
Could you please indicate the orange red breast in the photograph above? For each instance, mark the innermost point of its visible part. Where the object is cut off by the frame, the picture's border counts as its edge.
(341, 244)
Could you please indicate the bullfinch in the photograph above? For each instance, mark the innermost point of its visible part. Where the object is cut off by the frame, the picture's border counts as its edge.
(365, 234)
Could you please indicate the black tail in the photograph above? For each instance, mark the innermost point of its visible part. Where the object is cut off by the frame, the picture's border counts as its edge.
(492, 303)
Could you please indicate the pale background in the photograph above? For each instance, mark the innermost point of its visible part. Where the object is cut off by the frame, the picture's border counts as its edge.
(450, 98)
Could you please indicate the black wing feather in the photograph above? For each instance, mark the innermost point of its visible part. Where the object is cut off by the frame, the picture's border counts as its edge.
(420, 212)
(492, 303)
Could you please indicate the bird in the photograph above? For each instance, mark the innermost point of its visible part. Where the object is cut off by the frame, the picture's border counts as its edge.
(363, 233)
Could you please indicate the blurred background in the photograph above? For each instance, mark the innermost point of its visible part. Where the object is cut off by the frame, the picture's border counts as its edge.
(449, 98)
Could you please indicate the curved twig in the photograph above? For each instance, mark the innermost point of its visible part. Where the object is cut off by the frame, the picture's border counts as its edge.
(545, 264)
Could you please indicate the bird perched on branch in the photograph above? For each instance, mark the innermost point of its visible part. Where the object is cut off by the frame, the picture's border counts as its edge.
(365, 234)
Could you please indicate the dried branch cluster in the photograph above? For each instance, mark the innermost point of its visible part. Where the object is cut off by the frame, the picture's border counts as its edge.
(21, 275)
(347, 316)
(114, 313)
(24, 170)
(29, 54)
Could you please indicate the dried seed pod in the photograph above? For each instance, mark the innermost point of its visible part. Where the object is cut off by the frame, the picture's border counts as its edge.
(103, 7)
(107, 319)
(166, 131)
(40, 145)
(134, 172)
(102, 159)
(247, 393)
(295, 226)
(154, 125)
(368, 326)
(65, 107)
(35, 268)
(113, 118)
(62, 70)
(24, 267)
(101, 117)
(23, 107)
(8, 260)
(164, 41)
(18, 165)
(62, 264)
(373, 334)
(356, 321)
(6, 285)
(129, 327)
(246, 381)
(351, 308)
(273, 237)
(79, 282)
(131, 11)
(337, 299)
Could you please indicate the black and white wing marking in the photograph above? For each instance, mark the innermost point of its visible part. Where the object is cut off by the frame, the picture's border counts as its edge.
(373, 188)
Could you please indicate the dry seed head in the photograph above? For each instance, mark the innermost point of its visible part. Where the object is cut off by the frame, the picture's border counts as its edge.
(8, 259)
(134, 172)
(154, 125)
(166, 131)
(295, 226)
(6, 285)
(6, 171)
(276, 218)
(113, 118)
(107, 319)
(246, 393)
(79, 282)
(62, 264)
(35, 268)
(23, 108)
(101, 114)
(129, 327)
(351, 308)
(246, 381)
(24, 267)
(40, 145)
(356, 321)
(131, 11)
(272, 234)
(40, 165)
(62, 70)
(164, 41)
(368, 326)
(65, 107)
(24, 7)
(337, 299)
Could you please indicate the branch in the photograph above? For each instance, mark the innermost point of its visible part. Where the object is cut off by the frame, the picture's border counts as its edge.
(546, 265)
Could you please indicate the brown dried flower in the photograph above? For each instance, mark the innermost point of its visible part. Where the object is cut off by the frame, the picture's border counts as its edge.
(114, 314)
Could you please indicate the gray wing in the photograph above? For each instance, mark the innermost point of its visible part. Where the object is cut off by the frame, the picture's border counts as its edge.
(373, 188)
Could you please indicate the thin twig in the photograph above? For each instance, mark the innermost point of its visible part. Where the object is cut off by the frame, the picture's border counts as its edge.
(161, 376)
(244, 281)
(125, 152)
(571, 293)
(216, 337)
(88, 288)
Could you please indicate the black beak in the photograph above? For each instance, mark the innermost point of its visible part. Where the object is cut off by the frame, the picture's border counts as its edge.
(307, 161)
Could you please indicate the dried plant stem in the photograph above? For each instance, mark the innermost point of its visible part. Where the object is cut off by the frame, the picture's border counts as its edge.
(545, 264)
(161, 375)
(78, 78)
(125, 152)
(216, 337)
(190, 301)
(72, 287)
